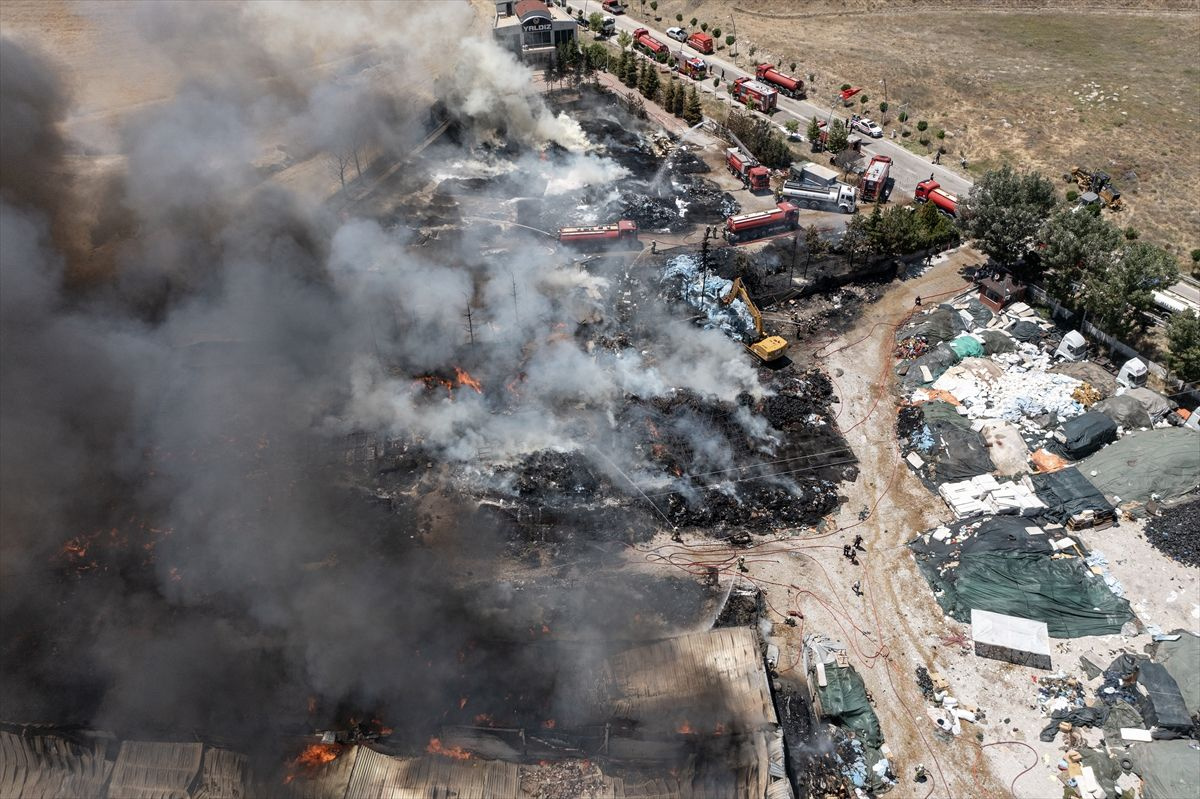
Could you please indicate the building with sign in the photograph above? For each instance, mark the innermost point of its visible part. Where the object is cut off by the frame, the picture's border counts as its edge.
(532, 29)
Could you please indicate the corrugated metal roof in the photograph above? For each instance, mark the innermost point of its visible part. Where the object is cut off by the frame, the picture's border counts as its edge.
(148, 770)
(377, 776)
(48, 767)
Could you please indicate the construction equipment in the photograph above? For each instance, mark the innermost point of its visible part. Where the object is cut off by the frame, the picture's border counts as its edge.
(754, 175)
(746, 90)
(873, 185)
(792, 87)
(785, 216)
(931, 191)
(1100, 184)
(765, 348)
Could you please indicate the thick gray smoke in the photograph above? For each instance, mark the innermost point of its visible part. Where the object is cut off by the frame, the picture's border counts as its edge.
(181, 551)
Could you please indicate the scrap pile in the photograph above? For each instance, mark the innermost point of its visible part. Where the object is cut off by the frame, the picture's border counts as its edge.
(1176, 532)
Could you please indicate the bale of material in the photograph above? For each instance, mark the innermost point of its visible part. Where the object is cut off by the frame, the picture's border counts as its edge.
(1090, 373)
(1124, 410)
(1086, 434)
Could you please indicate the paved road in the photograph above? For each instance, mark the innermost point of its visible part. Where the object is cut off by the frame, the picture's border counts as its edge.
(908, 168)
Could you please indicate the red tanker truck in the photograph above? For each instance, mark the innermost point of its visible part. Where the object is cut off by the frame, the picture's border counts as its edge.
(700, 41)
(623, 232)
(931, 191)
(873, 183)
(747, 90)
(792, 87)
(647, 43)
(754, 175)
(761, 223)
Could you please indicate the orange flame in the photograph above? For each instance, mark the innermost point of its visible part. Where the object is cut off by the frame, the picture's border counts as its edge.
(684, 728)
(465, 379)
(436, 748)
(719, 729)
(462, 702)
(549, 724)
(314, 756)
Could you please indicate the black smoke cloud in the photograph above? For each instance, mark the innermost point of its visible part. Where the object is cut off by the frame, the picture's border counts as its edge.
(182, 548)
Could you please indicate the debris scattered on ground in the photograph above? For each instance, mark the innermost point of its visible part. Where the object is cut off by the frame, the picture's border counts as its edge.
(1176, 532)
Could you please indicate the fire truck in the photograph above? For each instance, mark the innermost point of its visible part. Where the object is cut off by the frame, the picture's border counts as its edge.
(754, 175)
(873, 183)
(792, 87)
(694, 68)
(652, 47)
(700, 41)
(931, 191)
(747, 90)
(761, 223)
(623, 232)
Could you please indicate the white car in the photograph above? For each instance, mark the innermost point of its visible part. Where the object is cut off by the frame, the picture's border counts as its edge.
(678, 34)
(865, 125)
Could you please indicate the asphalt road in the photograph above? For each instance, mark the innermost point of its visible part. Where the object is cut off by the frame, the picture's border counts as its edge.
(908, 168)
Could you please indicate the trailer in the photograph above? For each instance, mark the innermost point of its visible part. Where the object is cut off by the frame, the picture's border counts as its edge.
(694, 68)
(931, 191)
(872, 186)
(754, 175)
(622, 232)
(701, 42)
(787, 85)
(836, 197)
(652, 47)
(747, 90)
(785, 216)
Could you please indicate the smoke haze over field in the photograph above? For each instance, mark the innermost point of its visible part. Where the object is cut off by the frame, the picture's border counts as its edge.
(176, 554)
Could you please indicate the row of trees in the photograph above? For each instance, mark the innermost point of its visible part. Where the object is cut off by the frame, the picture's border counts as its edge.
(1083, 260)
(761, 137)
(673, 96)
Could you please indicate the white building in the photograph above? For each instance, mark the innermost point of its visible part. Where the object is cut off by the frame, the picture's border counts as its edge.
(532, 29)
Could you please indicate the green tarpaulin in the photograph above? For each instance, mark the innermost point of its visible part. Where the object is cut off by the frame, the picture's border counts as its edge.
(844, 702)
(1165, 461)
(967, 347)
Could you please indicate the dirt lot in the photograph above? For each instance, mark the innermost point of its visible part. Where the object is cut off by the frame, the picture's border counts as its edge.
(1107, 85)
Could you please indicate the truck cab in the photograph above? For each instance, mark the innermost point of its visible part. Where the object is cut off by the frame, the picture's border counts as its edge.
(1133, 374)
(1073, 347)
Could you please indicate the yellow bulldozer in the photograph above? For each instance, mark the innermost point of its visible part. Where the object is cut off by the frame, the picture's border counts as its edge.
(765, 348)
(1099, 184)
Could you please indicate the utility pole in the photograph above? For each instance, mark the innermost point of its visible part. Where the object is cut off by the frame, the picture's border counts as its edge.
(885, 97)
(792, 271)
(470, 326)
(516, 308)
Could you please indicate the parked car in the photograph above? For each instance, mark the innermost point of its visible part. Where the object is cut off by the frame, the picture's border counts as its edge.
(613, 7)
(678, 34)
(865, 125)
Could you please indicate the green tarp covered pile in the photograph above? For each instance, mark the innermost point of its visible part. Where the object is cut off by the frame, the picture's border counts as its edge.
(967, 346)
(844, 702)
(994, 564)
(1164, 461)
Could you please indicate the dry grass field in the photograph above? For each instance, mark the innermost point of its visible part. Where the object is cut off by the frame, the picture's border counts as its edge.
(1113, 86)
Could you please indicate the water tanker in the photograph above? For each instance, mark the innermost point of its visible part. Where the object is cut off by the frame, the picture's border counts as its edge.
(792, 87)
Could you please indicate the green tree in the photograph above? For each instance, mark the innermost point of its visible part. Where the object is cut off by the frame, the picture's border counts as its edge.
(1131, 233)
(936, 229)
(730, 39)
(1118, 297)
(752, 50)
(692, 112)
(716, 33)
(813, 134)
(855, 241)
(839, 138)
(903, 116)
(1183, 342)
(624, 39)
(679, 17)
(668, 94)
(679, 102)
(595, 21)
(692, 24)
(793, 68)
(704, 27)
(896, 231)
(883, 107)
(922, 125)
(792, 125)
(1075, 244)
(654, 5)
(814, 246)
(1004, 211)
(863, 100)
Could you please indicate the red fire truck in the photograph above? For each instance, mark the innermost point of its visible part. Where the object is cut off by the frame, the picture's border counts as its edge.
(623, 232)
(643, 41)
(761, 223)
(694, 68)
(873, 184)
(792, 87)
(747, 90)
(931, 191)
(700, 41)
(754, 175)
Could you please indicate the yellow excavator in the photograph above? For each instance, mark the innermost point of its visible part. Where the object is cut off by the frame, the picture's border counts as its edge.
(765, 348)
(1100, 184)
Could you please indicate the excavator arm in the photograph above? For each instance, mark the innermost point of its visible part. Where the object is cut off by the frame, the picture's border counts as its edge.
(768, 348)
(738, 292)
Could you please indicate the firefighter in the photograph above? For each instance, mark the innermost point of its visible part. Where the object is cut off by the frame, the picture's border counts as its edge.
(917, 301)
(857, 588)
(654, 248)
(858, 543)
(742, 565)
(921, 775)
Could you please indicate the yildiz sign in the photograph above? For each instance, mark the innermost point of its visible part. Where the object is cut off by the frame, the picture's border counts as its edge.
(536, 24)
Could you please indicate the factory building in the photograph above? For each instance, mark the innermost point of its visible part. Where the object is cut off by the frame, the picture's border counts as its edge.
(532, 29)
